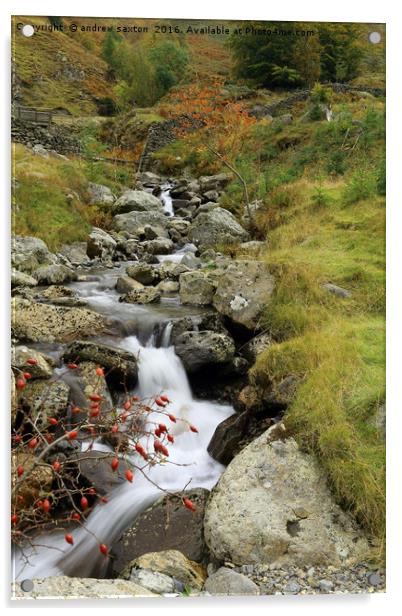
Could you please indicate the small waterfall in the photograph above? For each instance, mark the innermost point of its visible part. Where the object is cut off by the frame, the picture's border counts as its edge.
(160, 370)
(167, 200)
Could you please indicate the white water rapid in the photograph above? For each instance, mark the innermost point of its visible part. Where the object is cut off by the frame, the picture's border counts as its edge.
(160, 371)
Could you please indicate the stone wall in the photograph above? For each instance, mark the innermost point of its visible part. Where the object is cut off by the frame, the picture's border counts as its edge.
(161, 134)
(287, 103)
(53, 137)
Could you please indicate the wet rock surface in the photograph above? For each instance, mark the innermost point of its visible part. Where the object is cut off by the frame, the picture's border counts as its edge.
(166, 525)
(120, 366)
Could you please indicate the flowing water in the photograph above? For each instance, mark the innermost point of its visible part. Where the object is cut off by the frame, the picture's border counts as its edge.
(145, 331)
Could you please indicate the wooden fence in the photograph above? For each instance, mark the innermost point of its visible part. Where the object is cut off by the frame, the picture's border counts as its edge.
(43, 117)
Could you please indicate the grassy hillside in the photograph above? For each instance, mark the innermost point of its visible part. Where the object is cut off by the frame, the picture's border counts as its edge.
(51, 198)
(320, 188)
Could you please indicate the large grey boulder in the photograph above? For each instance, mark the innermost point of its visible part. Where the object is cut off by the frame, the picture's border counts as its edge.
(272, 505)
(100, 194)
(145, 273)
(166, 525)
(137, 201)
(158, 246)
(100, 244)
(124, 284)
(63, 587)
(28, 253)
(44, 399)
(228, 582)
(54, 274)
(120, 366)
(200, 349)
(76, 252)
(19, 358)
(243, 291)
(19, 279)
(196, 288)
(218, 226)
(170, 563)
(147, 295)
(213, 182)
(37, 322)
(134, 223)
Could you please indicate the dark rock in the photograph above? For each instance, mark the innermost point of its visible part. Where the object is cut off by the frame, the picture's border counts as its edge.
(120, 366)
(95, 467)
(143, 273)
(166, 525)
(200, 349)
(225, 440)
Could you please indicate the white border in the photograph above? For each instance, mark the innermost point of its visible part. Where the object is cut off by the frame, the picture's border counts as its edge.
(307, 10)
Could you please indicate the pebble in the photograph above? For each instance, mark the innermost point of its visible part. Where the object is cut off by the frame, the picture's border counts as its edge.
(325, 586)
(292, 588)
(348, 578)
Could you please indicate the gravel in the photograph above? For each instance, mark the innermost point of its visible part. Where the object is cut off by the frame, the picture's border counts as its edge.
(356, 578)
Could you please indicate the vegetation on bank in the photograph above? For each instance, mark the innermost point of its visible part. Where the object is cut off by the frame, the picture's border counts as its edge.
(51, 198)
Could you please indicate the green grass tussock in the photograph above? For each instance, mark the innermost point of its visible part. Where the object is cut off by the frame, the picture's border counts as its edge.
(51, 199)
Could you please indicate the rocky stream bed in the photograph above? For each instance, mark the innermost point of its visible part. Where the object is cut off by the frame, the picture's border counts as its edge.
(156, 305)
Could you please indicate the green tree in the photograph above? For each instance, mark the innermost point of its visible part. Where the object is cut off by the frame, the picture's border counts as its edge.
(341, 51)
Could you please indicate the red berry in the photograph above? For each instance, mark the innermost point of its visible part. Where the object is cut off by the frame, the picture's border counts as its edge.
(46, 505)
(75, 410)
(135, 398)
(32, 443)
(104, 499)
(91, 491)
(20, 470)
(14, 519)
(21, 383)
(115, 464)
(129, 475)
(69, 539)
(127, 405)
(159, 402)
(53, 421)
(56, 466)
(115, 428)
(172, 418)
(162, 427)
(161, 448)
(189, 504)
(165, 399)
(157, 432)
(99, 371)
(140, 449)
(123, 417)
(95, 412)
(17, 438)
(32, 361)
(27, 375)
(170, 438)
(72, 366)
(193, 428)
(75, 516)
(72, 435)
(49, 438)
(103, 549)
(84, 502)
(95, 397)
